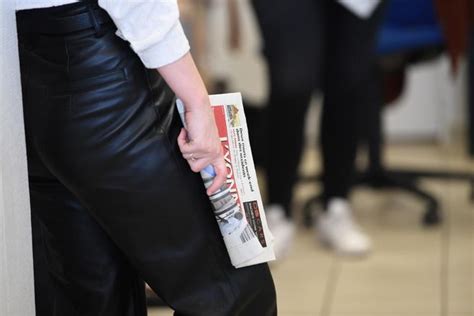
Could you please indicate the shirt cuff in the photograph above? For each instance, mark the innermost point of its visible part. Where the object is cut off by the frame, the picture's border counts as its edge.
(168, 50)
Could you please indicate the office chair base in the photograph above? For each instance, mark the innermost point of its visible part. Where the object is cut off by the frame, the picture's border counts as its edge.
(405, 180)
(432, 216)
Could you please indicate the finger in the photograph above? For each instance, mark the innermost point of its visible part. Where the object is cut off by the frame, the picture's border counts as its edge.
(188, 156)
(192, 156)
(197, 151)
(182, 138)
(184, 146)
(199, 164)
(219, 179)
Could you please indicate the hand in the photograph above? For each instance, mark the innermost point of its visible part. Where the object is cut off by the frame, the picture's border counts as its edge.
(200, 144)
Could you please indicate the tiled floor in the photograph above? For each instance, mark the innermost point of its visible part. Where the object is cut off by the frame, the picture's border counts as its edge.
(413, 271)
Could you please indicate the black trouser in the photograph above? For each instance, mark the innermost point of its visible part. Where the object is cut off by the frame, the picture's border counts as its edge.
(116, 201)
(308, 45)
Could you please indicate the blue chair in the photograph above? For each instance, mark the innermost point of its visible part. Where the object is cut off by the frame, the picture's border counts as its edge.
(410, 33)
(409, 25)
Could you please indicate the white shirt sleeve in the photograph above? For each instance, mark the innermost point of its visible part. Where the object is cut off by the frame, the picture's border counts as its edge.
(361, 8)
(152, 27)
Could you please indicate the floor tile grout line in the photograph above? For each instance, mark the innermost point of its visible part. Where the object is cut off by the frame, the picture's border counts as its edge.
(444, 270)
(331, 286)
(445, 255)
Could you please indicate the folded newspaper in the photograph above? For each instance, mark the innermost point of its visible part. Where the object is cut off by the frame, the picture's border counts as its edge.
(238, 206)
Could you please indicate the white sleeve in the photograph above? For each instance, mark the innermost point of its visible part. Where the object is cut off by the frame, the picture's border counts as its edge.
(152, 27)
(361, 8)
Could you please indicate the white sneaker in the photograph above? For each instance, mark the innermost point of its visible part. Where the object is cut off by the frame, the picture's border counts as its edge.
(282, 228)
(337, 229)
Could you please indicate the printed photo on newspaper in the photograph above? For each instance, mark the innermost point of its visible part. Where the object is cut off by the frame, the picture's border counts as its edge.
(237, 206)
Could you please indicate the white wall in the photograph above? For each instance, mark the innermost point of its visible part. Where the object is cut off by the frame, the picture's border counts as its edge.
(432, 105)
(16, 269)
(245, 68)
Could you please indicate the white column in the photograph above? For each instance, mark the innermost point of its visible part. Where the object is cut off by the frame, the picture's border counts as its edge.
(16, 265)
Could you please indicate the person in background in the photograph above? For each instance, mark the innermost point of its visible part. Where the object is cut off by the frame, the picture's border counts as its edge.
(113, 175)
(308, 45)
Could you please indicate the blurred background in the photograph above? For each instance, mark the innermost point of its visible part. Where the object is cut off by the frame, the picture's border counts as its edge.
(366, 109)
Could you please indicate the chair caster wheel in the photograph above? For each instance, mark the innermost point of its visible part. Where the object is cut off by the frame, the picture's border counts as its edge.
(432, 217)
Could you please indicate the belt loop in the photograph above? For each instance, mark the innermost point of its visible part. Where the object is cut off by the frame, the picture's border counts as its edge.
(93, 20)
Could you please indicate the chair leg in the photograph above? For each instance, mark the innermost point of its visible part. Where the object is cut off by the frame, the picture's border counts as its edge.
(432, 215)
(385, 180)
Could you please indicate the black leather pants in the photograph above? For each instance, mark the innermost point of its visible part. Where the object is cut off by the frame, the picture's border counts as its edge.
(116, 202)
